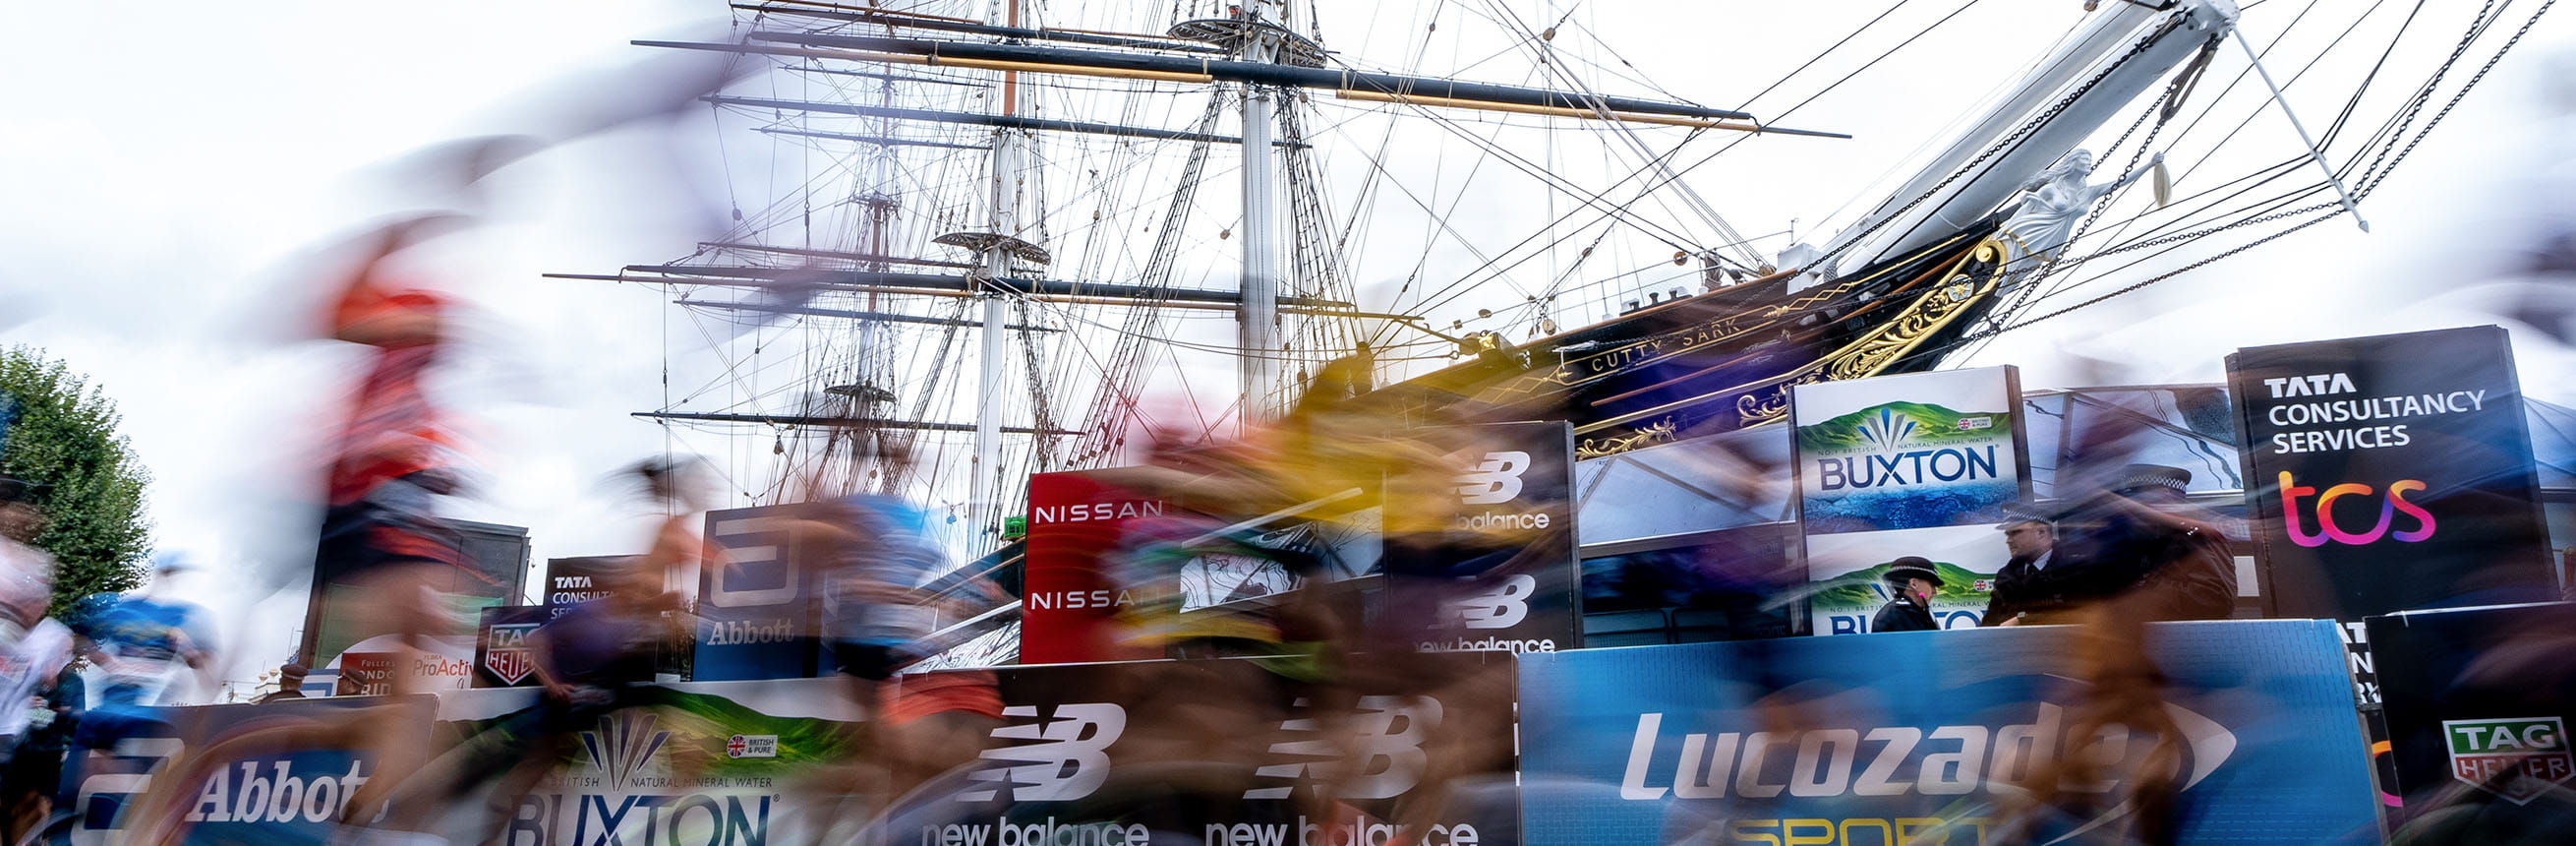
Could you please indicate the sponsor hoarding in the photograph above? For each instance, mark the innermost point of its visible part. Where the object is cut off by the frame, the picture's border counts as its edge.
(502, 657)
(2478, 701)
(1504, 576)
(1924, 734)
(757, 603)
(1067, 603)
(575, 580)
(1090, 754)
(2390, 472)
(1916, 464)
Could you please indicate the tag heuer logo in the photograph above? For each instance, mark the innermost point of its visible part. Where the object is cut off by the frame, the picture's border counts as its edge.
(2515, 758)
(752, 746)
(507, 656)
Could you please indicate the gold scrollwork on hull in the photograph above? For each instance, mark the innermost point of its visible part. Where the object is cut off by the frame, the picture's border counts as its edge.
(1972, 279)
(1660, 431)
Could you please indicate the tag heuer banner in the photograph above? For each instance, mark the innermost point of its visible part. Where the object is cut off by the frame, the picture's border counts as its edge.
(1067, 603)
(1096, 754)
(1921, 737)
(2478, 702)
(1919, 464)
(501, 654)
(2390, 473)
(756, 604)
(1503, 575)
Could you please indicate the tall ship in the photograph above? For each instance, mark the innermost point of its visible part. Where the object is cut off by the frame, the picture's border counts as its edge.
(976, 241)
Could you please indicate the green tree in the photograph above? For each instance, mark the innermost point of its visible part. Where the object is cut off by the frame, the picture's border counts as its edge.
(63, 439)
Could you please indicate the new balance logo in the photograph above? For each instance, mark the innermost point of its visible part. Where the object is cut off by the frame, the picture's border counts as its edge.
(1068, 761)
(1502, 608)
(1385, 740)
(1496, 479)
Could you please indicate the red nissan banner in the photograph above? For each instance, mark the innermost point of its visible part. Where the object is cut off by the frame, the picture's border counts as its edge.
(1067, 602)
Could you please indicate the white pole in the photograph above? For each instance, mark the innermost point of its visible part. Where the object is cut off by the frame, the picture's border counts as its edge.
(2313, 152)
(1257, 316)
(985, 495)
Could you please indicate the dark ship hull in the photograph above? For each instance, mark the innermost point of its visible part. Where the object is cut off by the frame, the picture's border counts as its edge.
(1723, 359)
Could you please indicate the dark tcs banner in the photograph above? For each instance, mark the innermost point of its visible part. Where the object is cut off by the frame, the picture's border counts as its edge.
(2390, 472)
(1068, 604)
(1502, 576)
(756, 605)
(573, 581)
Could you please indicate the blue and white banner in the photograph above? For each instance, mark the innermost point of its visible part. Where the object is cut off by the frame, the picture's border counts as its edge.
(1920, 737)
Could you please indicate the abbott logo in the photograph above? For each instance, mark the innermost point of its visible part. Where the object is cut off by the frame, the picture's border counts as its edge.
(1385, 734)
(1496, 479)
(1502, 608)
(1068, 761)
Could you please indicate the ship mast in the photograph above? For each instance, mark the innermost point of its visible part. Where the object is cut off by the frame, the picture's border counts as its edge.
(1002, 245)
(1257, 317)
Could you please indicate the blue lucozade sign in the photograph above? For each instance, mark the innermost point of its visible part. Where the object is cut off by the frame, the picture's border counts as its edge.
(1923, 737)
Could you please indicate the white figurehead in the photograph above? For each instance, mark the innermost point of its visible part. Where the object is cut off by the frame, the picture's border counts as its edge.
(2054, 200)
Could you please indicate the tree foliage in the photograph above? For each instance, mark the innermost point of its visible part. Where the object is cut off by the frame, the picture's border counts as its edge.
(63, 439)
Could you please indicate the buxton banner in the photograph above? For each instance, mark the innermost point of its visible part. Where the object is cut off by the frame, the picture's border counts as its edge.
(1099, 755)
(1918, 464)
(1920, 737)
(1502, 575)
(2390, 473)
(1067, 602)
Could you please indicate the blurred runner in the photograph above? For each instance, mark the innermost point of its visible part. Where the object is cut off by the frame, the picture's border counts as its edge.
(35, 768)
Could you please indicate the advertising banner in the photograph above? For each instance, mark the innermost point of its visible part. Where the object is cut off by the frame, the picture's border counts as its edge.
(1067, 602)
(501, 654)
(1924, 736)
(1919, 464)
(757, 604)
(2478, 701)
(1092, 754)
(573, 581)
(1503, 577)
(2390, 473)
(274, 798)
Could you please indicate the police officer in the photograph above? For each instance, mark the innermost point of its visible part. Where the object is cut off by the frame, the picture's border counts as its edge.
(1912, 580)
(2028, 539)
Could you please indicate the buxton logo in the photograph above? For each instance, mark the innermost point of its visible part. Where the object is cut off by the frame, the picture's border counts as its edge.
(1495, 479)
(507, 657)
(1069, 760)
(2517, 758)
(623, 745)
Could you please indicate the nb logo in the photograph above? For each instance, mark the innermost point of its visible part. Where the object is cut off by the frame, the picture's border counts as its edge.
(1385, 736)
(1069, 760)
(1496, 479)
(1502, 608)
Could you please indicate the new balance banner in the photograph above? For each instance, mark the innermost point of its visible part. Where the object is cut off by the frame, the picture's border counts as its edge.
(2478, 702)
(1920, 737)
(757, 605)
(502, 657)
(1067, 602)
(1914, 465)
(1499, 573)
(1109, 754)
(2390, 473)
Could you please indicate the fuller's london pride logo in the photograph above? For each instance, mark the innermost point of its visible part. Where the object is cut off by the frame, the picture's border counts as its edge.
(2514, 757)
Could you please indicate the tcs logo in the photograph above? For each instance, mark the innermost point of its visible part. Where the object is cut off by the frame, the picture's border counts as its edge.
(2294, 513)
(1495, 479)
(1501, 608)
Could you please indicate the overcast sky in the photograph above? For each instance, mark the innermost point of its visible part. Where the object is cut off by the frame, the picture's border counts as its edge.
(168, 176)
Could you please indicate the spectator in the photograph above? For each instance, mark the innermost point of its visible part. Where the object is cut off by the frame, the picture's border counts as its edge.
(2028, 539)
